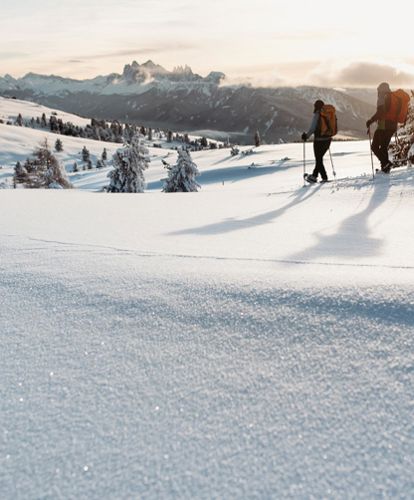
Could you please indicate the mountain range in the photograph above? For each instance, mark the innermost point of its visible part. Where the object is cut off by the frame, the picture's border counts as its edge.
(181, 100)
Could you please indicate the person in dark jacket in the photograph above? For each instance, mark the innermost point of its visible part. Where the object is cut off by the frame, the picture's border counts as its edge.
(385, 128)
(320, 144)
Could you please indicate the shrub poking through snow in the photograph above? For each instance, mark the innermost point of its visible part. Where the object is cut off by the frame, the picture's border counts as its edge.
(403, 149)
(42, 171)
(129, 165)
(181, 176)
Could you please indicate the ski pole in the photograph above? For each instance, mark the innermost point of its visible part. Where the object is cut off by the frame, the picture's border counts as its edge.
(370, 149)
(304, 162)
(333, 168)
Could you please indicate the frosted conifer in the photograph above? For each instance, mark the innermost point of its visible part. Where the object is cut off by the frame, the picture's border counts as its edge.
(42, 171)
(181, 176)
(403, 149)
(58, 145)
(129, 165)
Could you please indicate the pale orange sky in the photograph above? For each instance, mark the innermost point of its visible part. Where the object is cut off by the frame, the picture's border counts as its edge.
(266, 41)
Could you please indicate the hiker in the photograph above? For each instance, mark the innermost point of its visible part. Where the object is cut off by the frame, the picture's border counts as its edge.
(321, 144)
(386, 127)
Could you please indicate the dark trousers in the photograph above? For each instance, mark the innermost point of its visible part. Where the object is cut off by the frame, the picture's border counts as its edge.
(320, 148)
(380, 143)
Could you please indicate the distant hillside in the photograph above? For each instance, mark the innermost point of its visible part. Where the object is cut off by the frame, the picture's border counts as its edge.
(182, 100)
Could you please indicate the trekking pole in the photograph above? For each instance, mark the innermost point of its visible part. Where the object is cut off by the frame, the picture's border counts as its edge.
(333, 168)
(370, 149)
(304, 162)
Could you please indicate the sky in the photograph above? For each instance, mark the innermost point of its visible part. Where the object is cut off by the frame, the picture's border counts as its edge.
(264, 42)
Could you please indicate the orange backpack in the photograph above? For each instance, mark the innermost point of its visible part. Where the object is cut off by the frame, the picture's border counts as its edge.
(328, 122)
(399, 104)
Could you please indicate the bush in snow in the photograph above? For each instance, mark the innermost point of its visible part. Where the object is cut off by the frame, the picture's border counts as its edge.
(129, 165)
(41, 171)
(58, 145)
(403, 149)
(181, 176)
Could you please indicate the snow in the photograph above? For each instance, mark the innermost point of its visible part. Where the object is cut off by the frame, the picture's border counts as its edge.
(10, 108)
(251, 340)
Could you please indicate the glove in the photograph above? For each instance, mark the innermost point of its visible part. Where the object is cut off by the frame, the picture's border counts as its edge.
(304, 136)
(369, 123)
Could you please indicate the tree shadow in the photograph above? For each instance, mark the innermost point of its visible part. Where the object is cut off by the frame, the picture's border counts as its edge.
(352, 238)
(233, 224)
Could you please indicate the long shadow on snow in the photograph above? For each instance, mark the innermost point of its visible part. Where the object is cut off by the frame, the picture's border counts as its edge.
(231, 174)
(232, 224)
(353, 236)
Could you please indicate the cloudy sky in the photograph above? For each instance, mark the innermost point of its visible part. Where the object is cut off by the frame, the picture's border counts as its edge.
(353, 42)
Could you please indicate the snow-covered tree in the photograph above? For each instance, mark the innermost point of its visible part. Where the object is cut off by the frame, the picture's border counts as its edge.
(58, 145)
(181, 176)
(85, 154)
(403, 148)
(129, 165)
(42, 171)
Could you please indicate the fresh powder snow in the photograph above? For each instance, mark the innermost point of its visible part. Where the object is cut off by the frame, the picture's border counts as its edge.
(252, 340)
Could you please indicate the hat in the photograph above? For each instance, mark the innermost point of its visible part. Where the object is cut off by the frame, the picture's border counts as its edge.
(319, 105)
(383, 88)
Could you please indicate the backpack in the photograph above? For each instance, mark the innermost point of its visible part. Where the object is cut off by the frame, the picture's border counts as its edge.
(328, 121)
(399, 104)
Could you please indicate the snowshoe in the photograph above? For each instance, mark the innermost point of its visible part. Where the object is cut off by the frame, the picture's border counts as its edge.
(309, 178)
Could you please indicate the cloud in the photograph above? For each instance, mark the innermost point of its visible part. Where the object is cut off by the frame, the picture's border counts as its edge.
(365, 74)
(136, 52)
(12, 55)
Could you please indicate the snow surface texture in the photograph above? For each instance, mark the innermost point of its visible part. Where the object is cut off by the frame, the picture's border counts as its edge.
(252, 340)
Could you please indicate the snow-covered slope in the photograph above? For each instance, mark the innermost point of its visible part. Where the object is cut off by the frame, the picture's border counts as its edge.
(11, 108)
(252, 340)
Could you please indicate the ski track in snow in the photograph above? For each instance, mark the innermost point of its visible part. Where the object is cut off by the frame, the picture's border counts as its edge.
(83, 247)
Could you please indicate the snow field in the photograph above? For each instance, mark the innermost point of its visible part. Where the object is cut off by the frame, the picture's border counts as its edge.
(251, 340)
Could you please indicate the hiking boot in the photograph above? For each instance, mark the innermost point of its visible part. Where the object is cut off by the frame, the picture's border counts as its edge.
(387, 168)
(310, 178)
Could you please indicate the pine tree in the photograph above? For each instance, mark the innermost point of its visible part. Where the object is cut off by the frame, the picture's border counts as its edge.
(99, 164)
(181, 176)
(129, 165)
(42, 171)
(403, 149)
(75, 167)
(58, 145)
(104, 156)
(19, 120)
(85, 154)
(257, 139)
(20, 174)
